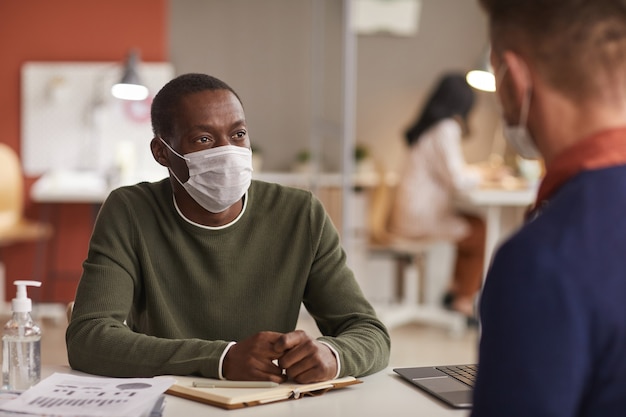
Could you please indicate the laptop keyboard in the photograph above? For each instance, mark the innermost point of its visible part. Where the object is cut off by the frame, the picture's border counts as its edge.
(464, 373)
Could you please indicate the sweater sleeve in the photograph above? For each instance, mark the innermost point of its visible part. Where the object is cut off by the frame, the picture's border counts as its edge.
(97, 338)
(333, 297)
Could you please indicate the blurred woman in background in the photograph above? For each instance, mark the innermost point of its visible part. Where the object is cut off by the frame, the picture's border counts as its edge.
(434, 172)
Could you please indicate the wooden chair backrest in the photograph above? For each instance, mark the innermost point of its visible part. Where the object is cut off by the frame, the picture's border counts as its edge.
(11, 187)
(379, 213)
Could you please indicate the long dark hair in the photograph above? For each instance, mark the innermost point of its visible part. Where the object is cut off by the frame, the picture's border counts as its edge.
(452, 97)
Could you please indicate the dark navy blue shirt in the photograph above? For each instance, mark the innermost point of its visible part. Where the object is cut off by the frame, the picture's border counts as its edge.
(553, 310)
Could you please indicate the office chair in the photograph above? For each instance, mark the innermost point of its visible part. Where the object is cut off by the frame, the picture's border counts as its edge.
(406, 253)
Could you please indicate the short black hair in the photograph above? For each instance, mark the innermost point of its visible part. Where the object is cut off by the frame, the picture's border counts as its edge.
(452, 96)
(163, 108)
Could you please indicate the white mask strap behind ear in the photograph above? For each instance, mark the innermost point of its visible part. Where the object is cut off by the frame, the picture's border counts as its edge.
(172, 149)
(518, 135)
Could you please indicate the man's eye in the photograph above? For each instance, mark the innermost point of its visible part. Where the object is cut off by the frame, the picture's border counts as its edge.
(204, 139)
(240, 135)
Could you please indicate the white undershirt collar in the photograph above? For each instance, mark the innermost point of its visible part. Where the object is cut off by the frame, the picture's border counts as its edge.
(243, 209)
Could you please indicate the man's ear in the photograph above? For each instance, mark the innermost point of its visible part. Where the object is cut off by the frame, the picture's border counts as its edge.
(519, 74)
(158, 152)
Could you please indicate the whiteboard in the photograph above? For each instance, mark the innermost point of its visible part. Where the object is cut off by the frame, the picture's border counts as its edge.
(70, 120)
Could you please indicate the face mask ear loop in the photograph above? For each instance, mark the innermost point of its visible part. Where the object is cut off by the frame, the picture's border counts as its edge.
(172, 172)
(172, 149)
(523, 119)
(177, 154)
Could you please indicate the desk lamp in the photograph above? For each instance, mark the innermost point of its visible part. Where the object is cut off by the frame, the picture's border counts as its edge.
(482, 77)
(130, 86)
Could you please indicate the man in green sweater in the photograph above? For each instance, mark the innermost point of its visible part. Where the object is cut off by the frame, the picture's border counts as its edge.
(204, 273)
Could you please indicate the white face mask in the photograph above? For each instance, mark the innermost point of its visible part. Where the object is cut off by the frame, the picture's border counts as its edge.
(518, 135)
(218, 177)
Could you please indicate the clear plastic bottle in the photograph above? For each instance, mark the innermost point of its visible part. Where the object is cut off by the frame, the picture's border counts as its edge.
(21, 343)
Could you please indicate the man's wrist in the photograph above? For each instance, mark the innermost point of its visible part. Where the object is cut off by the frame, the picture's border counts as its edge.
(336, 355)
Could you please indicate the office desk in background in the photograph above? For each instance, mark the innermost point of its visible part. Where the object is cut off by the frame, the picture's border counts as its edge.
(383, 393)
(492, 202)
(92, 187)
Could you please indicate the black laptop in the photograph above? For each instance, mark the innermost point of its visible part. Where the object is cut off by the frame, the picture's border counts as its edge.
(452, 384)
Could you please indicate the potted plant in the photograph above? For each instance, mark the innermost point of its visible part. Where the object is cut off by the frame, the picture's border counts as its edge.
(303, 161)
(363, 162)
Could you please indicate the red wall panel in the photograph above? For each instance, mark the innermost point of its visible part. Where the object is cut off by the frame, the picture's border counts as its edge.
(66, 30)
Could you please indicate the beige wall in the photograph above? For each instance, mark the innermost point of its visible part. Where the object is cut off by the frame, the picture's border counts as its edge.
(262, 48)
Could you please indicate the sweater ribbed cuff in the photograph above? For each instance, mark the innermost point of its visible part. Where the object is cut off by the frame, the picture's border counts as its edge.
(332, 349)
(220, 365)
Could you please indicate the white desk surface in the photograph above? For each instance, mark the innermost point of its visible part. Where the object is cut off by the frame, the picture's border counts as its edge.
(69, 187)
(381, 394)
(519, 197)
(91, 187)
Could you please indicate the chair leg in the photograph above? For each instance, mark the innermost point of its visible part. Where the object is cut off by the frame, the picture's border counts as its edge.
(403, 261)
(420, 265)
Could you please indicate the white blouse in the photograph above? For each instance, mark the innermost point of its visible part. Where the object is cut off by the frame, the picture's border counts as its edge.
(434, 172)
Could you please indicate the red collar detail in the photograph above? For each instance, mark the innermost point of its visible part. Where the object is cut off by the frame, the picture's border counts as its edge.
(602, 150)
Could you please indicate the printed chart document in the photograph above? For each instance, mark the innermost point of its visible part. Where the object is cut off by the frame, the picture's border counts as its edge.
(67, 395)
(230, 398)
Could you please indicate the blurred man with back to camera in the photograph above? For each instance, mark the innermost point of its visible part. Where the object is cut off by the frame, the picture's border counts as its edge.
(553, 309)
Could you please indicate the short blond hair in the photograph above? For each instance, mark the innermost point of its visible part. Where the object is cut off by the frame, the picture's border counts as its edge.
(579, 46)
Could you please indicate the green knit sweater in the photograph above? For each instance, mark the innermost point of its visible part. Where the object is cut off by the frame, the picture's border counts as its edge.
(185, 291)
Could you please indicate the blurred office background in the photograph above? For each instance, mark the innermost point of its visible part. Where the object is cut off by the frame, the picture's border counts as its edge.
(287, 61)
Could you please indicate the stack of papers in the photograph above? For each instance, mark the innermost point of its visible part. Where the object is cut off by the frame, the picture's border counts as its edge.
(66, 395)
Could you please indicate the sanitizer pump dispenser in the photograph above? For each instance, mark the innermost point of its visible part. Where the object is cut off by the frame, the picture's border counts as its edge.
(21, 343)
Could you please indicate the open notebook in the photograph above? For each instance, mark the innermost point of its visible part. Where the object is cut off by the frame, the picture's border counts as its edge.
(230, 398)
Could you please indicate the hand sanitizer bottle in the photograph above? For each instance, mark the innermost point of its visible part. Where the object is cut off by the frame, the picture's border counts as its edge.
(21, 343)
